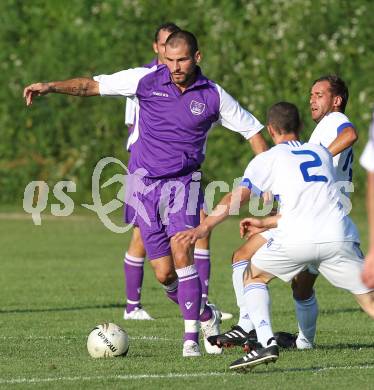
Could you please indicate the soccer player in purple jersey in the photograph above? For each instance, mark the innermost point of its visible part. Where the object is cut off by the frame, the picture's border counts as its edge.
(135, 255)
(178, 105)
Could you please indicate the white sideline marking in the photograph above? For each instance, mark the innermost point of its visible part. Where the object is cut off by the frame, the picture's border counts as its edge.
(122, 377)
(155, 376)
(366, 367)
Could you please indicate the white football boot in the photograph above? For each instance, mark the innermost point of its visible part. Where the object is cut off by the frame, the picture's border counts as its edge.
(137, 314)
(191, 349)
(211, 328)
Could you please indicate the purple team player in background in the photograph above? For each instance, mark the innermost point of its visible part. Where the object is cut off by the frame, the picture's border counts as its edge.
(177, 108)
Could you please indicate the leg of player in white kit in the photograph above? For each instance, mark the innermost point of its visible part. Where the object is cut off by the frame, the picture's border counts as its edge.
(257, 300)
(306, 307)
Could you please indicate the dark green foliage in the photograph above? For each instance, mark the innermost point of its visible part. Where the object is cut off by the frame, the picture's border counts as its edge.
(259, 51)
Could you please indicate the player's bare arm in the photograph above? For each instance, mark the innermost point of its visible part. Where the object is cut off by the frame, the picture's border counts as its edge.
(343, 141)
(77, 87)
(258, 144)
(229, 202)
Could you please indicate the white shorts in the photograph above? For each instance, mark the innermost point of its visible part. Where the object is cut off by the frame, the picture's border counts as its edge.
(339, 262)
(266, 234)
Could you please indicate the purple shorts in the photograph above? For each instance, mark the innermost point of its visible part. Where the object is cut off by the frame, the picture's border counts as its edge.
(129, 214)
(163, 208)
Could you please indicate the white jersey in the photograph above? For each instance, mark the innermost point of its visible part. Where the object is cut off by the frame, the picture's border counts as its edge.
(325, 133)
(304, 177)
(130, 112)
(367, 157)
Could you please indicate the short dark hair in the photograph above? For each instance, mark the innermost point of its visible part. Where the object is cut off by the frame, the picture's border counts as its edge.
(284, 117)
(170, 27)
(185, 36)
(337, 88)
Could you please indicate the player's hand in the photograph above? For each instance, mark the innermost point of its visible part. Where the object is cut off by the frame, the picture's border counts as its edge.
(37, 89)
(368, 271)
(251, 226)
(192, 235)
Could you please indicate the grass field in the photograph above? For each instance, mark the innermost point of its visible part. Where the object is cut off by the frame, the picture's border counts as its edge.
(62, 278)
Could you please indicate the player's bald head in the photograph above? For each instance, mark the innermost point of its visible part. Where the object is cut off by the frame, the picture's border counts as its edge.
(284, 117)
(183, 37)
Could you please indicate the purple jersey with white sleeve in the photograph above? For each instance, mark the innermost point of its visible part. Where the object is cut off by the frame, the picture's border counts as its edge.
(131, 112)
(173, 126)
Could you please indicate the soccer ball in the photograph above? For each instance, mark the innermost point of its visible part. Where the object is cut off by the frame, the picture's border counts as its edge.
(107, 340)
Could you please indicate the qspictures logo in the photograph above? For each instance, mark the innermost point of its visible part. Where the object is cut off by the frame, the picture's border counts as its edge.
(173, 196)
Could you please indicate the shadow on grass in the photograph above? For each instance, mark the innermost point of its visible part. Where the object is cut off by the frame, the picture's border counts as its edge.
(57, 309)
(342, 310)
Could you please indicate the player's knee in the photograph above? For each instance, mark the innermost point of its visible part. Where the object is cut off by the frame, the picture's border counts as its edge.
(181, 253)
(300, 291)
(166, 277)
(239, 255)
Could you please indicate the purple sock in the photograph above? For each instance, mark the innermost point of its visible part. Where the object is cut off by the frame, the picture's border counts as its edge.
(134, 271)
(194, 336)
(202, 263)
(189, 298)
(172, 291)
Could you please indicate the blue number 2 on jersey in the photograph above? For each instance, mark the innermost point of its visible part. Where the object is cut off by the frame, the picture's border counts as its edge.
(310, 164)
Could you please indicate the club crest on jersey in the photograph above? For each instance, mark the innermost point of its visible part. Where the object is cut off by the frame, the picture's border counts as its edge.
(188, 305)
(196, 107)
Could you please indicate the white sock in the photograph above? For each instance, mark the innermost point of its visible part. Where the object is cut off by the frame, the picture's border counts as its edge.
(257, 300)
(306, 314)
(237, 280)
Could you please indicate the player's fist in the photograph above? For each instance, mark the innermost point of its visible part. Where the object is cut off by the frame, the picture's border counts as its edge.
(192, 235)
(250, 227)
(37, 89)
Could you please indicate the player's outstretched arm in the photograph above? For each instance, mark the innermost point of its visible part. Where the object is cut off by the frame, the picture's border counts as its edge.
(77, 87)
(230, 202)
(368, 272)
(343, 141)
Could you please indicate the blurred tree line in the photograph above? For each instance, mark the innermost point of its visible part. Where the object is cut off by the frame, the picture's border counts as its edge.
(259, 51)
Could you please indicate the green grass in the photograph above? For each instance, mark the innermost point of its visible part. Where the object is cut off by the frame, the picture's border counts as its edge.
(60, 279)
